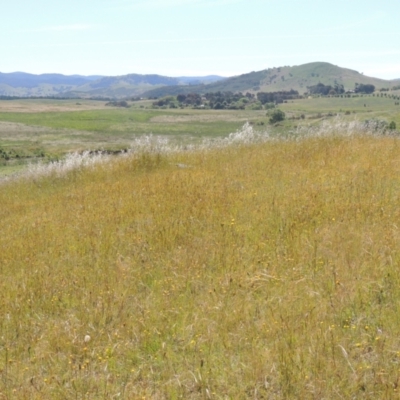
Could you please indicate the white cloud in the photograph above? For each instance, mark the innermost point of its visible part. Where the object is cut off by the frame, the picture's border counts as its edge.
(60, 28)
(172, 3)
(73, 27)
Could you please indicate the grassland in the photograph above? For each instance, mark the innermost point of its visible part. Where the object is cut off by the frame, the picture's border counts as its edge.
(249, 271)
(45, 130)
(264, 270)
(365, 107)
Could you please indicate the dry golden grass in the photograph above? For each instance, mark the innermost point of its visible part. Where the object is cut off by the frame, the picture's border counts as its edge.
(264, 272)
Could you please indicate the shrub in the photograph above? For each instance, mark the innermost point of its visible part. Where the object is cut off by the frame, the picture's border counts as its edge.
(375, 125)
(256, 106)
(277, 116)
(269, 106)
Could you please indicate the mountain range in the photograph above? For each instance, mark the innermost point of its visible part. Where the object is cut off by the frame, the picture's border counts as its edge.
(22, 84)
(135, 85)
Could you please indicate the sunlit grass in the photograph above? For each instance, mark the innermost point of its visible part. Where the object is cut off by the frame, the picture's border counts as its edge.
(131, 121)
(364, 107)
(258, 271)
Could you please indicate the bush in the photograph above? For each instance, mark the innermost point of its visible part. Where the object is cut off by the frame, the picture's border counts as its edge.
(375, 125)
(277, 116)
(269, 106)
(256, 106)
(392, 126)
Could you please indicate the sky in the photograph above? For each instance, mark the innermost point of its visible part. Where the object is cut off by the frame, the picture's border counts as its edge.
(197, 37)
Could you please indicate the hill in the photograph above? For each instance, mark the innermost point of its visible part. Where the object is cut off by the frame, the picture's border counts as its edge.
(24, 84)
(135, 85)
(152, 85)
(282, 78)
(23, 79)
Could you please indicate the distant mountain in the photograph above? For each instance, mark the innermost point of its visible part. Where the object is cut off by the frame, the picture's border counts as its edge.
(198, 80)
(22, 79)
(281, 78)
(135, 85)
(24, 84)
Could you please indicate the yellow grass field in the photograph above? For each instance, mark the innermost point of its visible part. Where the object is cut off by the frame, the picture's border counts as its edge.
(259, 271)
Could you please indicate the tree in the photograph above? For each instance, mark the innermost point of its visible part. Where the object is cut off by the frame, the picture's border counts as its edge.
(181, 98)
(278, 97)
(276, 116)
(361, 88)
(320, 88)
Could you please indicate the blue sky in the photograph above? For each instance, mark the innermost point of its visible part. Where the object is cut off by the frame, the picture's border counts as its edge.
(198, 37)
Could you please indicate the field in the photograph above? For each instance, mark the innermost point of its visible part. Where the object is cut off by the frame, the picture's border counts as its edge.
(362, 107)
(254, 268)
(45, 130)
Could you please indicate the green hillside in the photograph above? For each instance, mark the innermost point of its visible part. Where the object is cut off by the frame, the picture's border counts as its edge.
(282, 78)
(299, 77)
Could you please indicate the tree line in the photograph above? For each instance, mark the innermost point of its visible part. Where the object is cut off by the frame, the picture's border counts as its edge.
(329, 90)
(227, 100)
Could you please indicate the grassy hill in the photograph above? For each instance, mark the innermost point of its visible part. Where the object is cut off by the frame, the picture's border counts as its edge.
(310, 74)
(282, 78)
(267, 271)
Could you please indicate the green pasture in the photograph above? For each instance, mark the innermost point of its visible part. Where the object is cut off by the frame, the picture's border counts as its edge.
(128, 121)
(364, 106)
(48, 135)
(32, 130)
(91, 120)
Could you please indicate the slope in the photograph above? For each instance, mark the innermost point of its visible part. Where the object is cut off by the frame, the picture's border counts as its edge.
(282, 78)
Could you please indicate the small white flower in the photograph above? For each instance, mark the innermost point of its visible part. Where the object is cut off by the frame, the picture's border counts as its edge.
(87, 338)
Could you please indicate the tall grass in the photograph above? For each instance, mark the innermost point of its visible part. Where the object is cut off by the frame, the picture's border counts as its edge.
(149, 144)
(267, 270)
